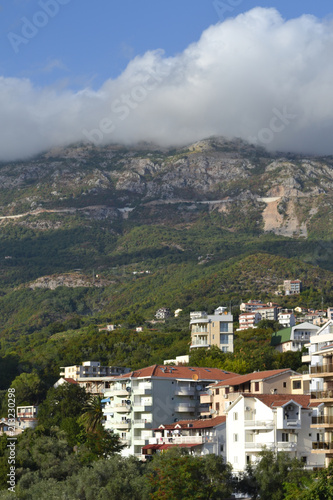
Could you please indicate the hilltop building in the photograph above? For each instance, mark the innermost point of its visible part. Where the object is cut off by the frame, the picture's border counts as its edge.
(215, 329)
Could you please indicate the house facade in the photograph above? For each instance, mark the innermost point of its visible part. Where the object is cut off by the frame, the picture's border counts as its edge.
(274, 422)
(293, 338)
(249, 320)
(321, 386)
(138, 402)
(215, 329)
(221, 395)
(202, 436)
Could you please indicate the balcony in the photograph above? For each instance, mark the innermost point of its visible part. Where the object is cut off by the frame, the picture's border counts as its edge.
(142, 424)
(180, 440)
(122, 424)
(183, 391)
(199, 343)
(119, 392)
(263, 424)
(121, 407)
(323, 420)
(322, 446)
(322, 370)
(125, 442)
(280, 446)
(185, 407)
(324, 395)
(142, 389)
(283, 446)
(142, 406)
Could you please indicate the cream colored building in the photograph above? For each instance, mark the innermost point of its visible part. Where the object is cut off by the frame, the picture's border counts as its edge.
(220, 395)
(209, 330)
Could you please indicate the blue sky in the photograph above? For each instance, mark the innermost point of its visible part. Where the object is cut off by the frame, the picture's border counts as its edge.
(87, 42)
(170, 72)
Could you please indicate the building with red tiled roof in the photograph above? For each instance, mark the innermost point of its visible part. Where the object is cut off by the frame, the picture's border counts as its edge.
(220, 395)
(203, 436)
(278, 422)
(141, 400)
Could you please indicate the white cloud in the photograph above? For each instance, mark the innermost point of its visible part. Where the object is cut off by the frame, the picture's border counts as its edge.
(235, 81)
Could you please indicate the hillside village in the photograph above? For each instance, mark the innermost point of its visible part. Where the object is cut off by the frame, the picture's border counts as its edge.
(212, 411)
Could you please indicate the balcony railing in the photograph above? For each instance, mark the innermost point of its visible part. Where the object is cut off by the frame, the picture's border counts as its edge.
(186, 407)
(259, 423)
(321, 369)
(180, 440)
(184, 391)
(199, 343)
(322, 394)
(323, 419)
(321, 445)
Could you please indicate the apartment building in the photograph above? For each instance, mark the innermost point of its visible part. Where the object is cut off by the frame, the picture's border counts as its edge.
(292, 287)
(138, 402)
(293, 338)
(251, 305)
(268, 312)
(221, 395)
(90, 369)
(278, 422)
(215, 329)
(26, 418)
(286, 318)
(249, 320)
(321, 386)
(202, 436)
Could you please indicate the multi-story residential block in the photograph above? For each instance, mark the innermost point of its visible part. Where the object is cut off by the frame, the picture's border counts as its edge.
(321, 374)
(275, 422)
(293, 338)
(216, 329)
(26, 418)
(251, 305)
(219, 396)
(330, 313)
(203, 436)
(249, 320)
(268, 312)
(286, 318)
(91, 369)
(138, 402)
(292, 287)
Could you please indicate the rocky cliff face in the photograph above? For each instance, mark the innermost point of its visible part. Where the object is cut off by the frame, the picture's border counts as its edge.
(289, 191)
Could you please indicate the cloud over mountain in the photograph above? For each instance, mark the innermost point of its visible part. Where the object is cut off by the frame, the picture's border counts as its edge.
(256, 76)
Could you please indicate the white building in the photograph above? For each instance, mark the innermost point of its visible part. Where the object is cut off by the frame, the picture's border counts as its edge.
(91, 369)
(251, 305)
(286, 318)
(138, 402)
(293, 338)
(203, 436)
(215, 329)
(277, 422)
(26, 418)
(249, 320)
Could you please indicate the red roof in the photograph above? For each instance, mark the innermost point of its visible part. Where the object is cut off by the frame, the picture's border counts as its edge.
(71, 381)
(241, 379)
(275, 400)
(179, 372)
(203, 423)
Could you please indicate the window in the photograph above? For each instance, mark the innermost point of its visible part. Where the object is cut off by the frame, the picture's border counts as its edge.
(217, 406)
(256, 386)
(235, 438)
(217, 392)
(221, 448)
(284, 384)
(235, 416)
(297, 384)
(285, 437)
(224, 349)
(224, 339)
(223, 326)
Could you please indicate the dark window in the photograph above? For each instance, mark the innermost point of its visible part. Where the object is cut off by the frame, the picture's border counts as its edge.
(256, 386)
(217, 392)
